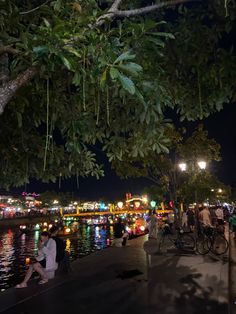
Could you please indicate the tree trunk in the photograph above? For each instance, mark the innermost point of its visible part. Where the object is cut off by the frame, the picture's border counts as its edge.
(8, 90)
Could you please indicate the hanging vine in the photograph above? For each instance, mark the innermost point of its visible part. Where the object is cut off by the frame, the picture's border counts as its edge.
(199, 93)
(98, 105)
(226, 8)
(83, 83)
(107, 106)
(47, 130)
(77, 180)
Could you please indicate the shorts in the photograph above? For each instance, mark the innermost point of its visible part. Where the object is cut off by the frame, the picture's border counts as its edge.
(43, 263)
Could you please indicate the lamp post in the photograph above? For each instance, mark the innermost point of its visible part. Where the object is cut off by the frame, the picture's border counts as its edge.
(202, 166)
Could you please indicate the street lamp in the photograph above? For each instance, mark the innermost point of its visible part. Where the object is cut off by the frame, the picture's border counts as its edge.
(183, 166)
(202, 165)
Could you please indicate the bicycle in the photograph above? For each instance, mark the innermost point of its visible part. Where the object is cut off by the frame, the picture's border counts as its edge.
(211, 240)
(182, 241)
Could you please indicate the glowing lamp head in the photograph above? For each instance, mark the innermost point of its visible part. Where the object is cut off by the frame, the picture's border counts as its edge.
(137, 204)
(45, 224)
(153, 204)
(220, 190)
(142, 228)
(102, 205)
(183, 166)
(145, 199)
(120, 204)
(67, 230)
(202, 165)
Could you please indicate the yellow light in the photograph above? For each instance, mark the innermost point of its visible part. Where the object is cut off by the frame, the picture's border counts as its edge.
(145, 199)
(142, 228)
(137, 204)
(68, 245)
(120, 204)
(220, 190)
(27, 260)
(45, 224)
(67, 230)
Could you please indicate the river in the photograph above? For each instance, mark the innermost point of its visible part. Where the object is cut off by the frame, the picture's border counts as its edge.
(15, 249)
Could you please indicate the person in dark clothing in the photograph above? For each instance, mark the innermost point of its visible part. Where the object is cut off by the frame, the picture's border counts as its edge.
(119, 231)
(62, 256)
(191, 219)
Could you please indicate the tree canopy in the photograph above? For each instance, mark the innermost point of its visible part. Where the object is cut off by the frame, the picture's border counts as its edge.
(163, 170)
(78, 76)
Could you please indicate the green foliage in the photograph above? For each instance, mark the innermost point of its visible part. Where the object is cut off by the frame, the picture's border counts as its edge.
(109, 87)
(163, 169)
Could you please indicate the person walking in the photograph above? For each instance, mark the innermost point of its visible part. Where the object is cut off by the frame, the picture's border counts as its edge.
(205, 217)
(152, 225)
(232, 222)
(46, 260)
(191, 219)
(184, 220)
(220, 216)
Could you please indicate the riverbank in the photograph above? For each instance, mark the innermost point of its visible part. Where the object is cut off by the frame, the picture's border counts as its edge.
(116, 280)
(12, 222)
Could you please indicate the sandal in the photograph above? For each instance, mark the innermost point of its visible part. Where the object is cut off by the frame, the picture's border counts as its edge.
(21, 285)
(43, 281)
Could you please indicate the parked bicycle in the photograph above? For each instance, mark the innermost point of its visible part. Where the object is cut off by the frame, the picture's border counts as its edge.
(184, 242)
(211, 240)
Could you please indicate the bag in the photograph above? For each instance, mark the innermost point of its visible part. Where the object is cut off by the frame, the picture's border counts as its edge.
(60, 246)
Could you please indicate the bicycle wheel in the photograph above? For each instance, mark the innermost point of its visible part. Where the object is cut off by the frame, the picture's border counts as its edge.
(219, 245)
(203, 245)
(186, 242)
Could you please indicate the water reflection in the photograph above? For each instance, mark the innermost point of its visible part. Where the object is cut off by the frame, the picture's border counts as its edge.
(16, 250)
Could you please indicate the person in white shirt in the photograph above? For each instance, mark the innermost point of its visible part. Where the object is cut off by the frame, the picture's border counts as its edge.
(205, 217)
(220, 215)
(46, 260)
(184, 219)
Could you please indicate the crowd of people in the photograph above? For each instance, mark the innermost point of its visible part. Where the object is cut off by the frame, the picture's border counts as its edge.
(193, 219)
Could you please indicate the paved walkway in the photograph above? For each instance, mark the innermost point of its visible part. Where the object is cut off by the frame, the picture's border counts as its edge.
(116, 281)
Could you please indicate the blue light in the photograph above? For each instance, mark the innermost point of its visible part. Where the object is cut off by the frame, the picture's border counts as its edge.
(102, 206)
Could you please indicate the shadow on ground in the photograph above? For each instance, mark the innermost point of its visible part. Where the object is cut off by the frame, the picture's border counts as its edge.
(182, 289)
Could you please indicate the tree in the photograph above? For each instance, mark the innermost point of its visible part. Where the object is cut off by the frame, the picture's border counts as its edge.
(205, 187)
(164, 171)
(75, 75)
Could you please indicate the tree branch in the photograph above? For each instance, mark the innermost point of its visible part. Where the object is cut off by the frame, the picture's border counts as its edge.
(150, 8)
(113, 12)
(115, 5)
(9, 89)
(34, 9)
(8, 49)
